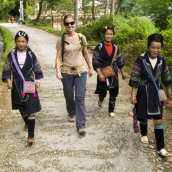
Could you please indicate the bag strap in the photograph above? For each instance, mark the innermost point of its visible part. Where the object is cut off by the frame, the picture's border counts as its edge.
(150, 74)
(17, 66)
(115, 53)
(81, 39)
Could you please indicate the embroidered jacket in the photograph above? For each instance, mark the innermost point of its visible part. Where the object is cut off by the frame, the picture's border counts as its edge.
(31, 70)
(160, 72)
(102, 59)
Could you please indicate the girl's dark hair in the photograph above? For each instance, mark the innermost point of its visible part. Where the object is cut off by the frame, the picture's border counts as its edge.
(21, 33)
(155, 37)
(108, 28)
(68, 16)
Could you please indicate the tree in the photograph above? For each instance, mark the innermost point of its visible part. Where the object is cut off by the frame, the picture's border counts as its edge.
(158, 11)
(39, 12)
(106, 6)
(6, 7)
(92, 10)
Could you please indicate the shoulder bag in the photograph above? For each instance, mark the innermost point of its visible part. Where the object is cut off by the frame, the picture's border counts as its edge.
(108, 70)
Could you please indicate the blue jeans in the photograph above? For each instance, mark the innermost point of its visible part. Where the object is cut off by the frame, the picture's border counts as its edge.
(74, 88)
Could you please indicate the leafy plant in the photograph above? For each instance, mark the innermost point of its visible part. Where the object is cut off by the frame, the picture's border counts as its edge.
(8, 41)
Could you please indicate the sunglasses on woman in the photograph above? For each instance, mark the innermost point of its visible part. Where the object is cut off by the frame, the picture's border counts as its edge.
(70, 23)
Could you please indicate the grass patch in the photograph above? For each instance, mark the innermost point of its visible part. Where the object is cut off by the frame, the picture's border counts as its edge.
(8, 40)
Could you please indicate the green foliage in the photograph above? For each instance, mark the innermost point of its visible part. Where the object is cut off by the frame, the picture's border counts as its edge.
(167, 51)
(8, 40)
(94, 30)
(5, 7)
(132, 29)
(169, 19)
(158, 10)
(29, 10)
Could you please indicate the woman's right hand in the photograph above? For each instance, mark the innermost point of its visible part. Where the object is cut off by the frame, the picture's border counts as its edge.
(59, 75)
(9, 84)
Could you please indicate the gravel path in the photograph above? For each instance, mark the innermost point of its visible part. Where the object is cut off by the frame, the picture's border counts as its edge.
(110, 145)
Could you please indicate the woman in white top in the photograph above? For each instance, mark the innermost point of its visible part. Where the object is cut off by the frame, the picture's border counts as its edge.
(144, 93)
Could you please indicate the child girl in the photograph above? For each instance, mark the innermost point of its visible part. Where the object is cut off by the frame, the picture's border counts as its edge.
(26, 62)
(105, 54)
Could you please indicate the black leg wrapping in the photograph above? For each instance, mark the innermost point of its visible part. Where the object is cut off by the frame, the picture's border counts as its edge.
(24, 116)
(143, 129)
(112, 104)
(159, 136)
(31, 126)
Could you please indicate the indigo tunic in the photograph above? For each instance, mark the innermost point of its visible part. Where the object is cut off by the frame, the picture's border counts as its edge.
(148, 103)
(31, 71)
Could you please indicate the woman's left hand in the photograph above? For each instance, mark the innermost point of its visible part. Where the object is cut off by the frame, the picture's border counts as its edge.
(90, 72)
(133, 99)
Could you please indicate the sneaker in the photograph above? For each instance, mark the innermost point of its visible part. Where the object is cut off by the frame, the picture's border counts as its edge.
(81, 131)
(100, 103)
(112, 114)
(72, 119)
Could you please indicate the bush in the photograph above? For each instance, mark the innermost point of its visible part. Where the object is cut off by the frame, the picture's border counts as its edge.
(93, 31)
(133, 29)
(167, 51)
(8, 40)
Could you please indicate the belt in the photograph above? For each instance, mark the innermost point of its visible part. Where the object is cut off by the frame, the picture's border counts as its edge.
(69, 69)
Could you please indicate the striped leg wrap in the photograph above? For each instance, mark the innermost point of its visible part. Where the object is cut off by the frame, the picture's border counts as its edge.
(24, 116)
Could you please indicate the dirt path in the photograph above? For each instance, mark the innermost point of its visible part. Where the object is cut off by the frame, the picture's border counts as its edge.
(110, 145)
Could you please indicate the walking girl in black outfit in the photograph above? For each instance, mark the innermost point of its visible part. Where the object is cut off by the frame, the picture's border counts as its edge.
(26, 62)
(105, 54)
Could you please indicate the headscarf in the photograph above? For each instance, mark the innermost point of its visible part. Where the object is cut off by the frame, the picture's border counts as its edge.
(155, 37)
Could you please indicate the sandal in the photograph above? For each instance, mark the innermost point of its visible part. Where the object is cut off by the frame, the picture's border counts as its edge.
(112, 114)
(144, 139)
(30, 140)
(163, 152)
(25, 127)
(100, 103)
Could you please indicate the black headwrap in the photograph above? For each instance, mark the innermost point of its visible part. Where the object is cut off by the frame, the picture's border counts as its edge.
(21, 33)
(155, 37)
